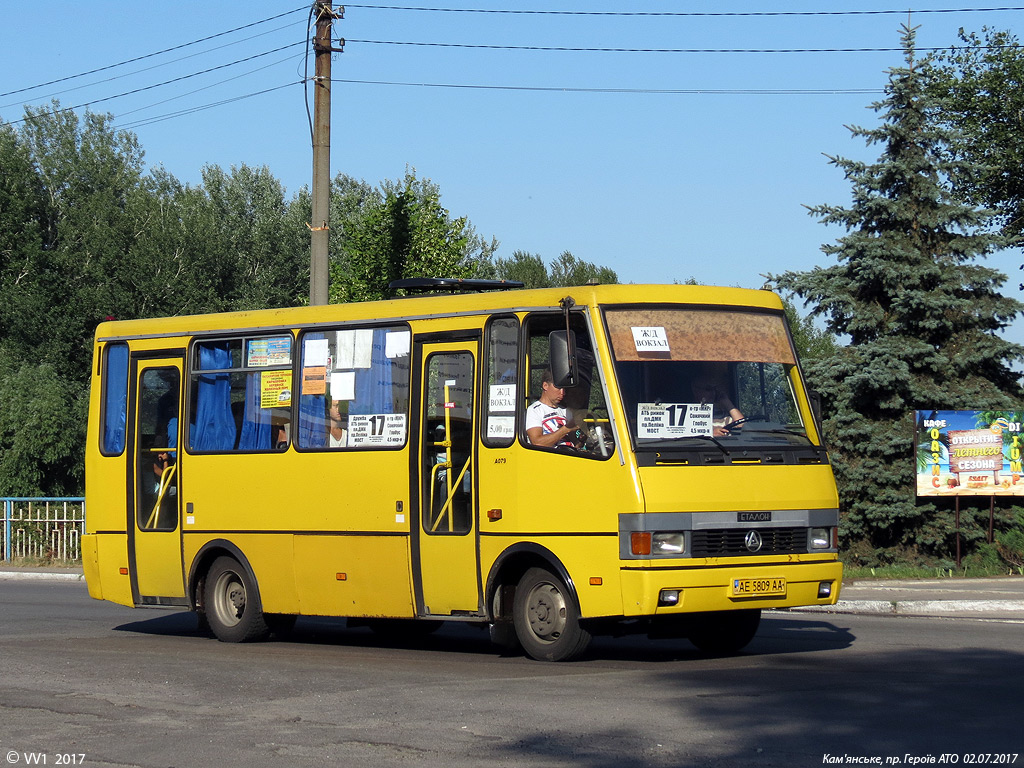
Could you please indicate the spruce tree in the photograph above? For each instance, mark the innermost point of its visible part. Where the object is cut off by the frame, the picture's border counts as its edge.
(921, 317)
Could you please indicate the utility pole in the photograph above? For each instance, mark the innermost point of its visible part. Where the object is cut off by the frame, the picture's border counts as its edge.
(319, 229)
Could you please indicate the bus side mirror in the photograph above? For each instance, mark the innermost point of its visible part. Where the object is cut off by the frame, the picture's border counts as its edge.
(562, 358)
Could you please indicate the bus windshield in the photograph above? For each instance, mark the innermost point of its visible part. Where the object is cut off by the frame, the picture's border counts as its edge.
(692, 376)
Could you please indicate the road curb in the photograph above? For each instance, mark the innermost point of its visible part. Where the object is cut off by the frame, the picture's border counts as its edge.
(40, 576)
(916, 607)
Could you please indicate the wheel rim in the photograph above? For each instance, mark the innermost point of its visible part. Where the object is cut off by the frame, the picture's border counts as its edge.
(229, 598)
(546, 612)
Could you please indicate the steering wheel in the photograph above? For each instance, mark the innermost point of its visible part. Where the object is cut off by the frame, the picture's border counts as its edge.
(740, 422)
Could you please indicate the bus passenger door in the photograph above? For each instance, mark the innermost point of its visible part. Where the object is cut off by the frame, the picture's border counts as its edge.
(154, 546)
(446, 557)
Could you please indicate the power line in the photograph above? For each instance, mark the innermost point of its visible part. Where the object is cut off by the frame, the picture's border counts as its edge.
(659, 50)
(147, 69)
(150, 55)
(173, 80)
(205, 87)
(202, 107)
(653, 91)
(902, 11)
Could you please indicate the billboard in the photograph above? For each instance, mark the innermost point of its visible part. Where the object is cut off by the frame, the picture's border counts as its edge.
(969, 453)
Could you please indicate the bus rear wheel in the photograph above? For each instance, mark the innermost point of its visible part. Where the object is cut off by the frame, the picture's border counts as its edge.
(723, 632)
(232, 604)
(546, 619)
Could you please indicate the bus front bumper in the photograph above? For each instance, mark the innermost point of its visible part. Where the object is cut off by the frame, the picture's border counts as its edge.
(663, 591)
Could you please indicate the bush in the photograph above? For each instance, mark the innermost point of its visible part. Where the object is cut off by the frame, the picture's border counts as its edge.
(1010, 544)
(983, 560)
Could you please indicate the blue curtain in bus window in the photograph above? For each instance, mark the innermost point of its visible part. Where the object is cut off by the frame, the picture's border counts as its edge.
(312, 408)
(172, 435)
(214, 429)
(115, 407)
(373, 384)
(255, 420)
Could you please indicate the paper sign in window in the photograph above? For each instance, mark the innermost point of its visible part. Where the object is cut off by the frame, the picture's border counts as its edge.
(343, 385)
(396, 344)
(650, 339)
(501, 427)
(353, 349)
(502, 398)
(376, 429)
(275, 389)
(314, 380)
(265, 352)
(671, 420)
(316, 353)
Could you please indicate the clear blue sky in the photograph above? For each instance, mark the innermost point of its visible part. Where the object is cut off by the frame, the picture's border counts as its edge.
(677, 164)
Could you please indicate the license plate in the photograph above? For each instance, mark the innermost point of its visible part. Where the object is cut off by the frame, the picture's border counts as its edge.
(759, 587)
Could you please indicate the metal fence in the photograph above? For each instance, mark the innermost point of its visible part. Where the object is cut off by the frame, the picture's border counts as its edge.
(42, 528)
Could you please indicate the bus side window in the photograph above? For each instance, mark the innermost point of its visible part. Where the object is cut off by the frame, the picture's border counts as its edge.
(354, 388)
(502, 376)
(241, 394)
(115, 399)
(584, 404)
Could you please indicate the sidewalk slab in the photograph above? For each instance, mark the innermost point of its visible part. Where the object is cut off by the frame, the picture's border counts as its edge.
(9, 572)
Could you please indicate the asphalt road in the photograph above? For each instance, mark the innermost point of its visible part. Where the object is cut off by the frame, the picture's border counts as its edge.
(90, 683)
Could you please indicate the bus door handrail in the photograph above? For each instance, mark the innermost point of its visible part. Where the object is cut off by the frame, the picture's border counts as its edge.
(446, 510)
(165, 482)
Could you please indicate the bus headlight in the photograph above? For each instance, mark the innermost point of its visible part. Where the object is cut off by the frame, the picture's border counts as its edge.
(821, 538)
(668, 543)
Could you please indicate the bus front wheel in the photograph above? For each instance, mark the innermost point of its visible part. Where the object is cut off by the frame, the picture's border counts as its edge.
(546, 619)
(232, 603)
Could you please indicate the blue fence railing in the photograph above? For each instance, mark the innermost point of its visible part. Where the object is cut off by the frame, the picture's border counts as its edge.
(48, 528)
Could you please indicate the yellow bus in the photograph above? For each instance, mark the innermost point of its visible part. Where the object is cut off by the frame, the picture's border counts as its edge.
(380, 461)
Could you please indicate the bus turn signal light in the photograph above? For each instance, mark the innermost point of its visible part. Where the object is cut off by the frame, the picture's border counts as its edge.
(640, 542)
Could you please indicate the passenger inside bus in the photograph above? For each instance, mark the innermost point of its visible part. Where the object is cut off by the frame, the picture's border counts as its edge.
(337, 433)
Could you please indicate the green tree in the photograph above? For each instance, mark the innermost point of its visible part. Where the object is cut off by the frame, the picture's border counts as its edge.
(69, 204)
(526, 268)
(85, 233)
(86, 174)
(921, 316)
(42, 428)
(811, 342)
(24, 238)
(263, 247)
(567, 270)
(400, 231)
(980, 87)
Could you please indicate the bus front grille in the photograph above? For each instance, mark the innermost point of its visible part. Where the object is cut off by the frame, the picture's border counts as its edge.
(730, 542)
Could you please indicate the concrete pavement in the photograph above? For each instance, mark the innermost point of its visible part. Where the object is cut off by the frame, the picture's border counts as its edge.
(994, 598)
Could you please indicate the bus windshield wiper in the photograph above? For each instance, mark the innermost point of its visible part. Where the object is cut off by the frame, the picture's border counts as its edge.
(672, 442)
(781, 431)
(720, 447)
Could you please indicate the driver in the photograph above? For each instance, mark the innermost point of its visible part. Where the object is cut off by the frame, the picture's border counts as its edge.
(547, 423)
(710, 385)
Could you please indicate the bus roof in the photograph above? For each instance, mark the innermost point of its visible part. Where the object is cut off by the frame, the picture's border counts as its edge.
(440, 305)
